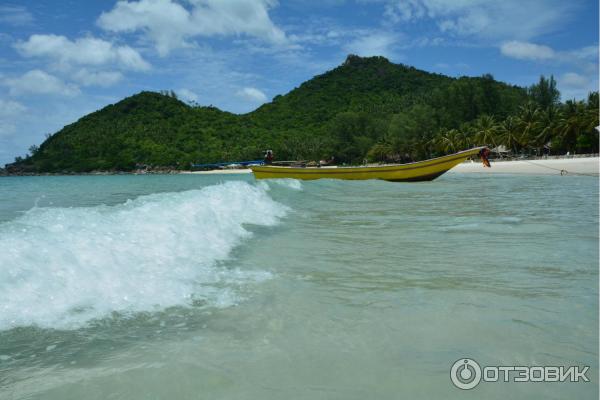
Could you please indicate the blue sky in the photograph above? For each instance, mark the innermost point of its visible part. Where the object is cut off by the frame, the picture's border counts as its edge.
(60, 60)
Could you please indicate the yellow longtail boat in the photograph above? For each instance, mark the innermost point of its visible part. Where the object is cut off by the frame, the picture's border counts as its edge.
(411, 172)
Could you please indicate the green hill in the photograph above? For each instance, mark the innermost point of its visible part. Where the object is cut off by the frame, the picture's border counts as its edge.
(346, 112)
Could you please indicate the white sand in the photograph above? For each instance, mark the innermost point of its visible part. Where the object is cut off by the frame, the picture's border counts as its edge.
(219, 172)
(572, 166)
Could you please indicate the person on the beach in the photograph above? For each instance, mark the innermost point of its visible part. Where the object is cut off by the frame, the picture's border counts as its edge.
(269, 157)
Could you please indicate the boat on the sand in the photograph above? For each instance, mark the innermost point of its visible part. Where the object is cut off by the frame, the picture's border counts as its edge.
(426, 170)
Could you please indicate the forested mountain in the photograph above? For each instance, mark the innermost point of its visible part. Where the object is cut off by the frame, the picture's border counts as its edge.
(365, 108)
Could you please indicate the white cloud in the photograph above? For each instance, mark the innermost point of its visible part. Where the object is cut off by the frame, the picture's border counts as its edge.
(252, 94)
(169, 25)
(9, 108)
(83, 51)
(39, 82)
(506, 19)
(373, 44)
(187, 95)
(526, 51)
(15, 15)
(574, 85)
(403, 11)
(165, 22)
(100, 78)
(584, 58)
(571, 84)
(589, 53)
(574, 80)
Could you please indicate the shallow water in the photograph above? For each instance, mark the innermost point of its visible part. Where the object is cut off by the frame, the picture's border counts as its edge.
(188, 286)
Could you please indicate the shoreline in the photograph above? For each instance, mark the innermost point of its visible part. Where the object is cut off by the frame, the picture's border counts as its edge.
(554, 166)
(581, 165)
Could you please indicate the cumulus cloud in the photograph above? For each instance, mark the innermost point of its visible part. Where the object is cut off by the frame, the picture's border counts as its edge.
(507, 19)
(39, 82)
(526, 51)
(15, 15)
(571, 84)
(83, 51)
(252, 94)
(169, 25)
(373, 44)
(187, 95)
(574, 85)
(584, 58)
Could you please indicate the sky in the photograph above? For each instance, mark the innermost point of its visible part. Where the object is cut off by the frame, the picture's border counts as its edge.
(62, 59)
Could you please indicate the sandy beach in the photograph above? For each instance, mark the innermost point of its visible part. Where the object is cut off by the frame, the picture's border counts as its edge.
(564, 166)
(220, 172)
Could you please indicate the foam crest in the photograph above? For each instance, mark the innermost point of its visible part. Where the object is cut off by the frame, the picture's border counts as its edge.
(293, 184)
(62, 267)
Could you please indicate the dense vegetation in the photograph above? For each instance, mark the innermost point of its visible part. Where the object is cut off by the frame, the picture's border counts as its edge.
(365, 108)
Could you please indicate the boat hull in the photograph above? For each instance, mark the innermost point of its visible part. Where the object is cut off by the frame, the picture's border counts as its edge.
(426, 170)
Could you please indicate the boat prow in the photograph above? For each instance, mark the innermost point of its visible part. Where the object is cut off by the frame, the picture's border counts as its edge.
(426, 170)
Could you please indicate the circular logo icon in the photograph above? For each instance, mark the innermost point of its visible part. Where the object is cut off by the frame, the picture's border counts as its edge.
(465, 373)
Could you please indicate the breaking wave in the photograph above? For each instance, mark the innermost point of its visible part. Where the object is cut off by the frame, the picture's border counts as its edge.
(62, 267)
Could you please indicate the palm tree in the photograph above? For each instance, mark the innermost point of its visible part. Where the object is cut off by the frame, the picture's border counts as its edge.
(591, 121)
(485, 129)
(570, 124)
(546, 126)
(451, 141)
(591, 113)
(510, 134)
(381, 151)
(529, 123)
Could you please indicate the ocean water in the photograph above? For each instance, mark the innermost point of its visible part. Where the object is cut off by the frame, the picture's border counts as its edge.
(222, 287)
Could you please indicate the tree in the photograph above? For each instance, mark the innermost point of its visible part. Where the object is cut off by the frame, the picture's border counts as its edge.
(509, 133)
(489, 100)
(544, 93)
(381, 151)
(411, 132)
(485, 130)
(528, 121)
(571, 124)
(450, 141)
(591, 113)
(547, 125)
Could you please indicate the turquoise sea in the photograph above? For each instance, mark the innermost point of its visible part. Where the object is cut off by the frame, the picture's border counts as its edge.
(222, 287)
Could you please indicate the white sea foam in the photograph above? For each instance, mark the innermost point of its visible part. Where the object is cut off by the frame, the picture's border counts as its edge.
(293, 184)
(62, 267)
